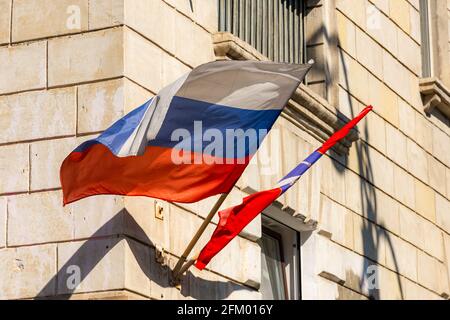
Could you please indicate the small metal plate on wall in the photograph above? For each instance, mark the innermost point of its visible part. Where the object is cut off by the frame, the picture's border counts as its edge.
(159, 210)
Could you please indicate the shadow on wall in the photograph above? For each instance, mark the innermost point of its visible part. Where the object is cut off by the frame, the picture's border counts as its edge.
(372, 237)
(88, 256)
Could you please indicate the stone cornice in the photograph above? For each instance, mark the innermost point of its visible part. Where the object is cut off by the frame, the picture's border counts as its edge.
(306, 109)
(435, 95)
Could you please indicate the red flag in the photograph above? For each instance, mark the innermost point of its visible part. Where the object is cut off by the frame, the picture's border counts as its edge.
(234, 219)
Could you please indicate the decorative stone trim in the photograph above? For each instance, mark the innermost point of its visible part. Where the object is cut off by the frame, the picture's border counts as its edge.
(306, 109)
(435, 95)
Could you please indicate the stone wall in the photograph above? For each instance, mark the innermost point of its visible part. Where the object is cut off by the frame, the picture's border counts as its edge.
(388, 206)
(71, 68)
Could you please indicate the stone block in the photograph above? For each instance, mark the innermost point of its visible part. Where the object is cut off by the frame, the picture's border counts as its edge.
(383, 5)
(431, 273)
(443, 213)
(330, 264)
(384, 100)
(369, 53)
(414, 16)
(384, 31)
(160, 29)
(134, 96)
(100, 105)
(23, 67)
(137, 267)
(389, 283)
(38, 218)
(347, 104)
(38, 19)
(425, 200)
(193, 45)
(239, 252)
(353, 77)
(404, 187)
(441, 142)
(434, 244)
(368, 239)
(142, 223)
(447, 253)
(412, 291)
(206, 285)
(396, 76)
(106, 13)
(417, 160)
(355, 11)
(411, 227)
(143, 61)
(338, 221)
(172, 69)
(205, 14)
(46, 160)
(5, 21)
(28, 272)
(37, 115)
(85, 57)
(409, 52)
(424, 132)
(415, 4)
(399, 12)
(407, 119)
(333, 179)
(387, 212)
(98, 216)
(100, 264)
(373, 130)
(159, 275)
(14, 168)
(354, 191)
(401, 256)
(436, 174)
(380, 171)
(447, 175)
(396, 146)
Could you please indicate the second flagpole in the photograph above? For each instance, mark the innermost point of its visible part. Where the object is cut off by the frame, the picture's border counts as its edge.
(176, 271)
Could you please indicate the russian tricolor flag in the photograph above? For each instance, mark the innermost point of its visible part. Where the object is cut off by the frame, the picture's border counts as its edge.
(234, 219)
(169, 147)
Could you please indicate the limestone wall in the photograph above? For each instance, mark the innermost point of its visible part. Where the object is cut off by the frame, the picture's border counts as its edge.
(70, 68)
(388, 205)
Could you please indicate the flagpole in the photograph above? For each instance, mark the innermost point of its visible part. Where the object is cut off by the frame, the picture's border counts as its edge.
(177, 270)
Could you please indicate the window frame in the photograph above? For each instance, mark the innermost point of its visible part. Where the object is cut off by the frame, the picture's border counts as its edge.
(293, 287)
(279, 238)
(426, 39)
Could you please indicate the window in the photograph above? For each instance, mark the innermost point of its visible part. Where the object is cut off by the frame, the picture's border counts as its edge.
(426, 39)
(273, 27)
(280, 276)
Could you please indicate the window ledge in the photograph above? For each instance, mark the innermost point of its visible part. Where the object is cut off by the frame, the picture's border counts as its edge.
(306, 109)
(435, 95)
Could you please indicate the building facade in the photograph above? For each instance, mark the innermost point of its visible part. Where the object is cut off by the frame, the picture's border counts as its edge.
(371, 220)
